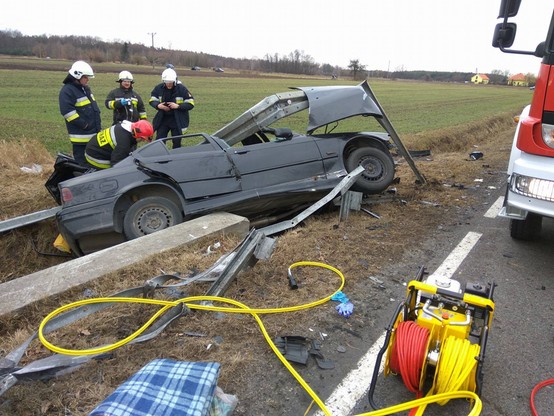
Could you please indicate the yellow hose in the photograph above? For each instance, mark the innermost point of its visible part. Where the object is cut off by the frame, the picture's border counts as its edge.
(240, 308)
(475, 411)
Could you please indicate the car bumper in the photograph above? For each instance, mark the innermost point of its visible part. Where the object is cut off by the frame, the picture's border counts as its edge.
(530, 188)
(517, 206)
(83, 220)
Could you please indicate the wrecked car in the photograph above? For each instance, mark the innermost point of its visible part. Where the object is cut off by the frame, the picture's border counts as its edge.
(249, 167)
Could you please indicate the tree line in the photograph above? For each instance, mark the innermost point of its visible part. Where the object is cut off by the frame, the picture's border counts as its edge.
(95, 50)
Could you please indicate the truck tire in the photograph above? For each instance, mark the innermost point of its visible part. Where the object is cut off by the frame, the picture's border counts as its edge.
(379, 169)
(526, 229)
(149, 215)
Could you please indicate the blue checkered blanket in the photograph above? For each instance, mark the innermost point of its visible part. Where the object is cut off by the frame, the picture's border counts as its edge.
(164, 387)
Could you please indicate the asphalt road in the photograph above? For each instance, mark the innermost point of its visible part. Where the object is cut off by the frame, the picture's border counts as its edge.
(520, 350)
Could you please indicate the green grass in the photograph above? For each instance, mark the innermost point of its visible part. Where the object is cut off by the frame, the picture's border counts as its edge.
(29, 101)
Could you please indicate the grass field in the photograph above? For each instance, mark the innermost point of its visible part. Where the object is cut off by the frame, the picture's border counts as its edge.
(29, 100)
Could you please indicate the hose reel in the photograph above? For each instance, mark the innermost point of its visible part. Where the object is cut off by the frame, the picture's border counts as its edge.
(437, 337)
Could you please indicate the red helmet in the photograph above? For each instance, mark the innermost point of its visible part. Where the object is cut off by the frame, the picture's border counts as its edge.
(142, 129)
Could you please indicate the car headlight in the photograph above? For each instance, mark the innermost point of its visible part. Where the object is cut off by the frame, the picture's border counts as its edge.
(533, 187)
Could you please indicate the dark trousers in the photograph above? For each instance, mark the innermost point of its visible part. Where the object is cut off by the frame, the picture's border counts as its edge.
(79, 153)
(163, 132)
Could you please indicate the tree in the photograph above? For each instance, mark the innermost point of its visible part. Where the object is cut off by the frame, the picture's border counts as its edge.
(355, 67)
(530, 78)
(124, 56)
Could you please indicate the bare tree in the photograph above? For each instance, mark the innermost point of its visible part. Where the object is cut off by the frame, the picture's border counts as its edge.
(355, 67)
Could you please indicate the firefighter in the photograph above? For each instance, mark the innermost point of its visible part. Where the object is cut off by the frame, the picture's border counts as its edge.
(114, 144)
(125, 102)
(173, 101)
(79, 108)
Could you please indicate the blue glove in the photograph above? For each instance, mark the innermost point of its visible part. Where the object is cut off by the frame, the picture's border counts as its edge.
(339, 297)
(345, 309)
(125, 101)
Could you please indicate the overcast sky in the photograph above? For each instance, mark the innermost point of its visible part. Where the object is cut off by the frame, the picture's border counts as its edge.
(435, 35)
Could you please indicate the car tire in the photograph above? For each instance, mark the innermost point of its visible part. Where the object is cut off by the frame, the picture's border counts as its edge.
(149, 215)
(526, 229)
(379, 169)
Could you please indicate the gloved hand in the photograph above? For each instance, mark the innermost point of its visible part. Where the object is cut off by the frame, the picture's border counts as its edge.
(345, 309)
(125, 101)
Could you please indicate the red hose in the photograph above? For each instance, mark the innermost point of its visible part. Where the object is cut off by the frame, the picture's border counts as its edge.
(409, 353)
(534, 392)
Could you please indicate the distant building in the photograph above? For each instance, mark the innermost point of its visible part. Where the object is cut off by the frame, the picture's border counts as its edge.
(518, 80)
(480, 79)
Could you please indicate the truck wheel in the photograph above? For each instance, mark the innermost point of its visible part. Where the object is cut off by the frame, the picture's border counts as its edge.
(526, 229)
(149, 215)
(379, 169)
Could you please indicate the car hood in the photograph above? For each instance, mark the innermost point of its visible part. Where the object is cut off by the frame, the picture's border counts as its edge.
(329, 104)
(325, 105)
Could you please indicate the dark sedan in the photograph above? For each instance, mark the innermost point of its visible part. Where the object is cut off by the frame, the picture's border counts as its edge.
(247, 168)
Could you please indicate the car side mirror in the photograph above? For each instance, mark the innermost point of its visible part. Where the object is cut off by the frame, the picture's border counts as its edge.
(504, 35)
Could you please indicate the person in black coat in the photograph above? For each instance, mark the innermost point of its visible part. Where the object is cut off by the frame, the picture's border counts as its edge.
(125, 102)
(79, 108)
(173, 101)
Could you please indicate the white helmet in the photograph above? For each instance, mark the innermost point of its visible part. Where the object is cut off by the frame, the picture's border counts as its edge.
(125, 76)
(80, 68)
(169, 75)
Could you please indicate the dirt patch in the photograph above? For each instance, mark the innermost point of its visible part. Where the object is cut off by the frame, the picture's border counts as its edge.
(364, 248)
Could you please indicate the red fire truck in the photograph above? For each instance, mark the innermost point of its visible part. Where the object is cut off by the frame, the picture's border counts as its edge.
(530, 189)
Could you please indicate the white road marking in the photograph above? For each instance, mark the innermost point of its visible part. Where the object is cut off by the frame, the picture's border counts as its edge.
(354, 386)
(493, 211)
(356, 383)
(455, 258)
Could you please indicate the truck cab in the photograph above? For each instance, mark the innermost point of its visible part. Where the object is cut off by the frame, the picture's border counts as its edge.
(530, 186)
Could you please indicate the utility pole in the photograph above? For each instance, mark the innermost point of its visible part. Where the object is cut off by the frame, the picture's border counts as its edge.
(152, 34)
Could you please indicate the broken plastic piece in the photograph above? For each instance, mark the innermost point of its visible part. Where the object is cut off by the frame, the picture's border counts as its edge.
(322, 362)
(294, 348)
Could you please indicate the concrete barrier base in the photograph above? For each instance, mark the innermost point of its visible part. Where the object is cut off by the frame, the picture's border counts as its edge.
(25, 290)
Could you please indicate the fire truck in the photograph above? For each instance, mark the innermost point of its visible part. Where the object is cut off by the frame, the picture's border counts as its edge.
(530, 188)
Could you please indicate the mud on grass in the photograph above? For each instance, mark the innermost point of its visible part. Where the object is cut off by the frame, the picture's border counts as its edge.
(361, 247)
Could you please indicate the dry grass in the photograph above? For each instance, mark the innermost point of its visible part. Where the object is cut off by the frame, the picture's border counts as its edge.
(362, 246)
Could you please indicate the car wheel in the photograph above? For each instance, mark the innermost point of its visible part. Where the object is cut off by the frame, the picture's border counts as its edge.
(526, 229)
(379, 169)
(148, 215)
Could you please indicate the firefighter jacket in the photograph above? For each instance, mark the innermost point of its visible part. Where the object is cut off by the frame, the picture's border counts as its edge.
(133, 111)
(80, 111)
(110, 146)
(178, 94)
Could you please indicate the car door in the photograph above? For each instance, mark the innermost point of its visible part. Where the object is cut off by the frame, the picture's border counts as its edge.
(201, 169)
(293, 163)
